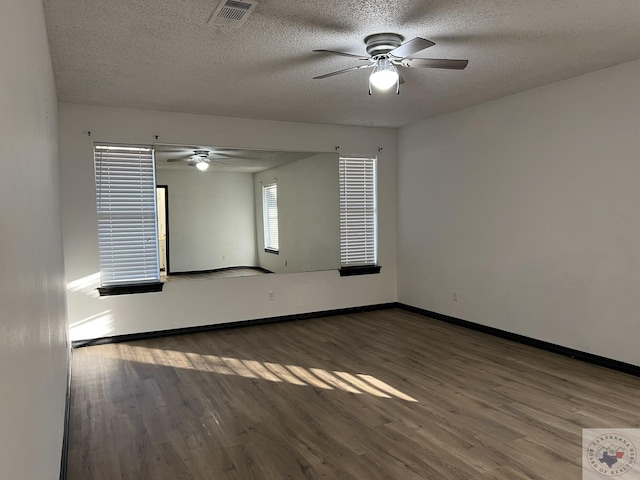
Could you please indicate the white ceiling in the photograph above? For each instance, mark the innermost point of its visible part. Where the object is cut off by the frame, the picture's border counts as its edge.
(164, 55)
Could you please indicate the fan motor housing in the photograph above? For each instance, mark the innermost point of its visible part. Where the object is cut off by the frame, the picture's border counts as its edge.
(382, 43)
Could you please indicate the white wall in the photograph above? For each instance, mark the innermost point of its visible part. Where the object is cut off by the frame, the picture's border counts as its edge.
(33, 339)
(202, 302)
(308, 215)
(211, 219)
(528, 206)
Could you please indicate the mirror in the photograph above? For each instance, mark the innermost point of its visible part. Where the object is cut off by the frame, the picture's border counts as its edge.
(212, 199)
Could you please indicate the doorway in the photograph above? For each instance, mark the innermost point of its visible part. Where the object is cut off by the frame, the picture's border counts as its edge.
(162, 212)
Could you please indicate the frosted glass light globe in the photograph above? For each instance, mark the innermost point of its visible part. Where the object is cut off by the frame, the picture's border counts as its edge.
(384, 75)
(202, 166)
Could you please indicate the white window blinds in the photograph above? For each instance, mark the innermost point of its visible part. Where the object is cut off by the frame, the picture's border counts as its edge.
(126, 203)
(358, 211)
(270, 210)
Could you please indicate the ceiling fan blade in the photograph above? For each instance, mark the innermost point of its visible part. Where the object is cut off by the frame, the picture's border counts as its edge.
(343, 54)
(217, 161)
(436, 63)
(342, 71)
(414, 45)
(183, 159)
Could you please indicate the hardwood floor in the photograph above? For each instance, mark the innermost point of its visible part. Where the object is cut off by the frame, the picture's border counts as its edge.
(380, 395)
(232, 272)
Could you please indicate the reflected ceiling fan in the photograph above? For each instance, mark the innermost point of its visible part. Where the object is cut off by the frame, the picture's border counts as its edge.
(201, 159)
(386, 53)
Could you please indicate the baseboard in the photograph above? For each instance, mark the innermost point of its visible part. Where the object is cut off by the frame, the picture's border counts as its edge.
(550, 347)
(243, 323)
(67, 418)
(514, 337)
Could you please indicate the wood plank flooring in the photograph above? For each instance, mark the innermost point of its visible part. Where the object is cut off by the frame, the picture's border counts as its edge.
(380, 395)
(231, 273)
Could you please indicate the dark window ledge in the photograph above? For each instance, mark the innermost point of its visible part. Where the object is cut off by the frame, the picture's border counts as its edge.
(359, 270)
(130, 289)
(269, 250)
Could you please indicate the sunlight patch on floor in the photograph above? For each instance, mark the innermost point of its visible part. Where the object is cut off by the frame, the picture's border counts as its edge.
(357, 383)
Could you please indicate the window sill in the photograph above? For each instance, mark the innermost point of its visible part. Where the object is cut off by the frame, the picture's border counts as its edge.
(268, 250)
(359, 270)
(130, 289)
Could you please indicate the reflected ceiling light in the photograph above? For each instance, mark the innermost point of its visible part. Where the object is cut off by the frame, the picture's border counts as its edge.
(384, 75)
(202, 166)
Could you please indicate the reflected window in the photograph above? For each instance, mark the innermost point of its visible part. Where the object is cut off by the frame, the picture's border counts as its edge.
(358, 229)
(127, 230)
(270, 211)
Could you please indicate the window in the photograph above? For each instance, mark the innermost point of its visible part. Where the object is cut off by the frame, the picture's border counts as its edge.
(270, 212)
(358, 232)
(127, 230)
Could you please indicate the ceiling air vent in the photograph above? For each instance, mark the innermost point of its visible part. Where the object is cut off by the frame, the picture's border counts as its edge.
(232, 13)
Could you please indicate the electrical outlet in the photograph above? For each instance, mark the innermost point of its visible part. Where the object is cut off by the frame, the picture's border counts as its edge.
(455, 295)
(271, 296)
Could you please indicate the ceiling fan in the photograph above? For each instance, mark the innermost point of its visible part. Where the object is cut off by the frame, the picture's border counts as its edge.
(201, 159)
(386, 52)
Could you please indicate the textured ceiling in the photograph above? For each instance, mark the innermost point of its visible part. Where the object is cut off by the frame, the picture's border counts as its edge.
(166, 55)
(223, 159)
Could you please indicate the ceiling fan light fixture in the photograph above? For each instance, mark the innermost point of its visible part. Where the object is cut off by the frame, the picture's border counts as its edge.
(386, 52)
(384, 75)
(202, 166)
